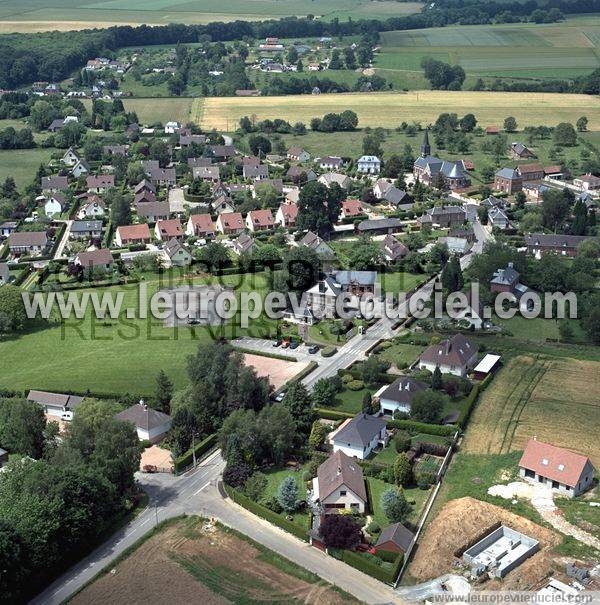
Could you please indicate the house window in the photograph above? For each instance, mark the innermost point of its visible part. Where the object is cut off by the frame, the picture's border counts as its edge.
(529, 473)
(342, 492)
(541, 479)
(555, 485)
(568, 488)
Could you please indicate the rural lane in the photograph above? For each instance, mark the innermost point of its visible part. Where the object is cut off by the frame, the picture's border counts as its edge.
(196, 492)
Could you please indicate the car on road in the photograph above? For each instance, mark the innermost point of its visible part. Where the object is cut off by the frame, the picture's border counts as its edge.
(294, 344)
(313, 349)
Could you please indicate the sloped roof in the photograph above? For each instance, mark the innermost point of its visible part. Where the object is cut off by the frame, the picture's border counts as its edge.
(403, 390)
(453, 351)
(202, 223)
(143, 417)
(360, 430)
(339, 469)
(68, 402)
(94, 258)
(364, 278)
(554, 463)
(397, 534)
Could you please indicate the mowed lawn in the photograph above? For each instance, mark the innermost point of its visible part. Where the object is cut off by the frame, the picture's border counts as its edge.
(553, 399)
(22, 164)
(162, 110)
(389, 109)
(123, 355)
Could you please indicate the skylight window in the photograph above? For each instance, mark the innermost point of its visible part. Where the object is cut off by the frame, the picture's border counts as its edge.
(561, 467)
(545, 461)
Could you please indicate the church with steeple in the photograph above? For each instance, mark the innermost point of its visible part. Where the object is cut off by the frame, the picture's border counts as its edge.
(431, 170)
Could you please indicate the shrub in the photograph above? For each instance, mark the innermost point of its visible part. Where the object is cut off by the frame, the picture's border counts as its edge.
(237, 475)
(287, 494)
(255, 486)
(346, 378)
(402, 441)
(394, 505)
(273, 504)
(340, 531)
(146, 443)
(328, 351)
(402, 470)
(356, 385)
(425, 480)
(373, 528)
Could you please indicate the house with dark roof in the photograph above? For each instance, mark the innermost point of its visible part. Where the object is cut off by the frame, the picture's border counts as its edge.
(388, 192)
(380, 226)
(320, 246)
(395, 538)
(508, 180)
(27, 242)
(497, 218)
(539, 244)
(444, 216)
(151, 425)
(340, 484)
(359, 436)
(331, 162)
(453, 355)
(298, 154)
(518, 151)
(221, 153)
(55, 203)
(85, 229)
(55, 403)
(244, 244)
(100, 183)
(176, 254)
(256, 173)
(398, 396)
(565, 472)
(163, 176)
(54, 183)
(393, 249)
(153, 211)
(356, 282)
(430, 169)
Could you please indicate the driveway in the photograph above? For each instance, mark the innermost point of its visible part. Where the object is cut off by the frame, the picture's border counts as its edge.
(542, 499)
(63, 242)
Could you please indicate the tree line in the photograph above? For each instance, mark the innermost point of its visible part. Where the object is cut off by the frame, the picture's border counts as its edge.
(52, 56)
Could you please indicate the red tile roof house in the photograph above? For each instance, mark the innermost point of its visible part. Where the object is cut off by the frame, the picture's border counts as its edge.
(351, 208)
(286, 215)
(564, 471)
(200, 225)
(340, 484)
(259, 220)
(133, 234)
(169, 229)
(230, 223)
(99, 184)
(453, 356)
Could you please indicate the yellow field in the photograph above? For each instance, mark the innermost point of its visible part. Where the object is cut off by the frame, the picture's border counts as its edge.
(389, 109)
(557, 400)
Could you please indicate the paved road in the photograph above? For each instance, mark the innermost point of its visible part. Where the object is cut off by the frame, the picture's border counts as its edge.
(63, 242)
(196, 492)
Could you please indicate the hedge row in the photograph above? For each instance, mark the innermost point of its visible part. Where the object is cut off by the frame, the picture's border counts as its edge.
(362, 563)
(184, 461)
(264, 513)
(264, 353)
(333, 414)
(465, 414)
(328, 352)
(442, 430)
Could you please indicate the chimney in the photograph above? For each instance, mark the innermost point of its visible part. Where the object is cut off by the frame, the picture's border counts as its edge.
(511, 265)
(339, 470)
(322, 287)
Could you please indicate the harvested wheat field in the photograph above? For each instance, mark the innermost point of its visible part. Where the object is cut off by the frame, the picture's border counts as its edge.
(555, 400)
(193, 561)
(389, 109)
(462, 521)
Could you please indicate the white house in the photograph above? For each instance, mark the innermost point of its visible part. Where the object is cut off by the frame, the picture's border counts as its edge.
(71, 157)
(340, 484)
(151, 425)
(172, 127)
(321, 247)
(452, 356)
(55, 404)
(93, 208)
(368, 164)
(54, 204)
(565, 472)
(177, 254)
(398, 396)
(359, 436)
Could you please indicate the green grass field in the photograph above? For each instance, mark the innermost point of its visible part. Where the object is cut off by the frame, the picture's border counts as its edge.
(122, 355)
(22, 164)
(417, 497)
(44, 15)
(516, 50)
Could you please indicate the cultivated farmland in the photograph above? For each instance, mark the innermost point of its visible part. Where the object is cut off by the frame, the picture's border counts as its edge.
(522, 50)
(190, 561)
(389, 109)
(45, 15)
(553, 399)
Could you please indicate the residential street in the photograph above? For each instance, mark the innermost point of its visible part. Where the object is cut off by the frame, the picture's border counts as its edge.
(196, 492)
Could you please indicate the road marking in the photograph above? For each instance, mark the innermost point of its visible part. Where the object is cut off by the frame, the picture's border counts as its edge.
(199, 490)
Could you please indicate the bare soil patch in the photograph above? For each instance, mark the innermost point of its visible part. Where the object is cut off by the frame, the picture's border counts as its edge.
(192, 561)
(277, 371)
(158, 457)
(461, 521)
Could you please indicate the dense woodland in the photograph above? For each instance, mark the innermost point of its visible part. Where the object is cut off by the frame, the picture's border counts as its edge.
(52, 56)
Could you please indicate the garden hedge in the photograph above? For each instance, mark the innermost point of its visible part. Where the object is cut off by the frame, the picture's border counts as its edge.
(333, 414)
(264, 513)
(362, 563)
(442, 430)
(181, 463)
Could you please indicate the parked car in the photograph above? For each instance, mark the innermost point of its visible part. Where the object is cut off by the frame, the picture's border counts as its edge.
(313, 349)
(279, 397)
(294, 344)
(192, 321)
(66, 416)
(277, 343)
